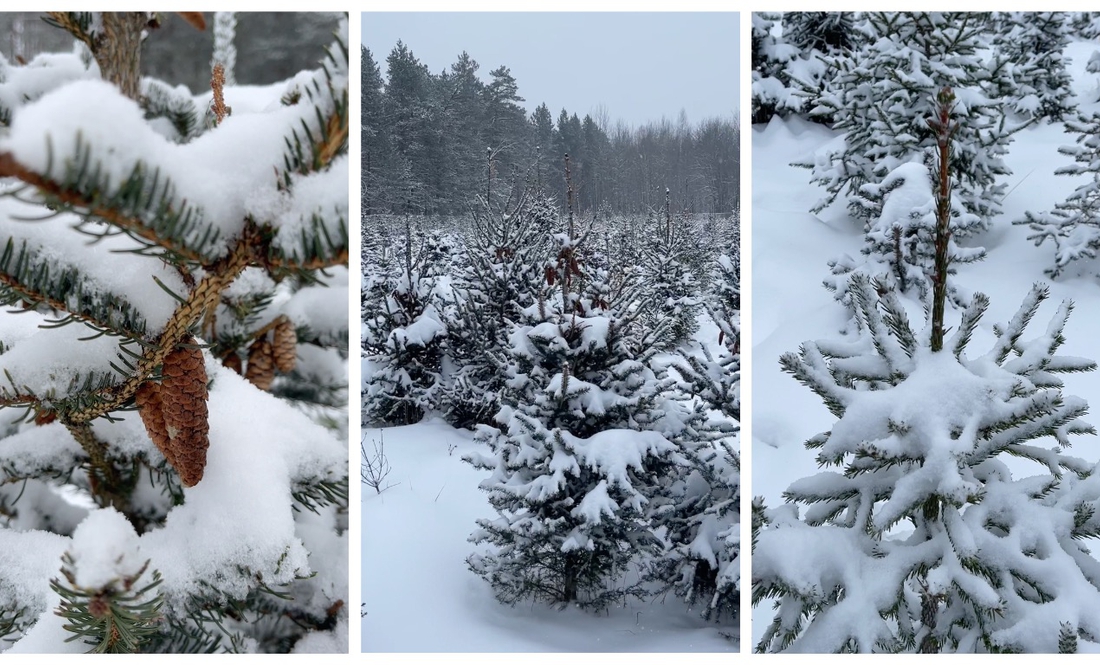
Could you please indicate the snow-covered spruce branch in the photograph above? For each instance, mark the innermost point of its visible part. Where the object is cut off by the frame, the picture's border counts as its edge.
(233, 523)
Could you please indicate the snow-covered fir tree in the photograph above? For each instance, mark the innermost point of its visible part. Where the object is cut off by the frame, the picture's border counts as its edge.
(899, 238)
(151, 498)
(579, 450)
(925, 540)
(1039, 85)
(508, 254)
(669, 251)
(1073, 227)
(817, 35)
(714, 375)
(770, 55)
(404, 334)
(821, 31)
(882, 94)
(700, 515)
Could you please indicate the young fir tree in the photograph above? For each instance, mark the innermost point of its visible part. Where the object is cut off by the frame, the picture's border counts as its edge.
(899, 240)
(925, 540)
(770, 55)
(210, 514)
(817, 36)
(882, 93)
(714, 374)
(1040, 86)
(669, 248)
(1074, 224)
(404, 328)
(702, 520)
(578, 450)
(508, 252)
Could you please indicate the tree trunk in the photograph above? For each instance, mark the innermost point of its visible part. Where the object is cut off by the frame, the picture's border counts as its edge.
(118, 50)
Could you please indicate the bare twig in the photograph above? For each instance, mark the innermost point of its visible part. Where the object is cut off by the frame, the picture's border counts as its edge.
(375, 466)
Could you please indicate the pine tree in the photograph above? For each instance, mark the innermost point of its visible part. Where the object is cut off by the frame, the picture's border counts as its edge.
(1074, 224)
(218, 509)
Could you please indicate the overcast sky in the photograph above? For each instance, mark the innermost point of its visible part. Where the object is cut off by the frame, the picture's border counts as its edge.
(639, 66)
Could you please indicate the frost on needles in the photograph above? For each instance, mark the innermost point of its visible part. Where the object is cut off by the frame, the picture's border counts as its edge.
(172, 472)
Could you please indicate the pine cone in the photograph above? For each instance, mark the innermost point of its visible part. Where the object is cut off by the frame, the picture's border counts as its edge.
(147, 399)
(261, 364)
(183, 395)
(285, 347)
(233, 362)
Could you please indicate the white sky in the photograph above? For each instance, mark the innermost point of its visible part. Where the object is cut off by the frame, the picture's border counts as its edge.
(640, 66)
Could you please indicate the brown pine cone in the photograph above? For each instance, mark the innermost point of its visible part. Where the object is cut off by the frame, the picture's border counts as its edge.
(261, 364)
(233, 362)
(183, 395)
(147, 399)
(285, 346)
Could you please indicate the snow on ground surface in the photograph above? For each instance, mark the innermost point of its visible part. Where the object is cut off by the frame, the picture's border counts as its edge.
(789, 254)
(419, 595)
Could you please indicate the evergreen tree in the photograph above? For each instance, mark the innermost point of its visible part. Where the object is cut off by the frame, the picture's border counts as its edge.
(882, 94)
(1033, 42)
(211, 512)
(770, 81)
(925, 541)
(820, 31)
(666, 258)
(405, 330)
(899, 240)
(508, 254)
(1074, 224)
(577, 454)
(373, 137)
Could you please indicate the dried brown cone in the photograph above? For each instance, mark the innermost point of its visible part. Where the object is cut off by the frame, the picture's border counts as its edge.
(261, 364)
(233, 362)
(147, 399)
(285, 346)
(217, 85)
(183, 396)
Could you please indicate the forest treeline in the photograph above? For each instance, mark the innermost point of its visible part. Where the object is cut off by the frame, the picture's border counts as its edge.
(433, 142)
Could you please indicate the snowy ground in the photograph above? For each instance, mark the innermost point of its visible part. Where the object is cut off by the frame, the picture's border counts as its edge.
(419, 595)
(789, 254)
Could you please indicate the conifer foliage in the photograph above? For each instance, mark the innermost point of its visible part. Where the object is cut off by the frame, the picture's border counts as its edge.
(881, 93)
(924, 539)
(578, 450)
(153, 259)
(1073, 227)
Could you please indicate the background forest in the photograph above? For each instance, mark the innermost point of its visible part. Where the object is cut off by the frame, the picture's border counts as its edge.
(425, 138)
